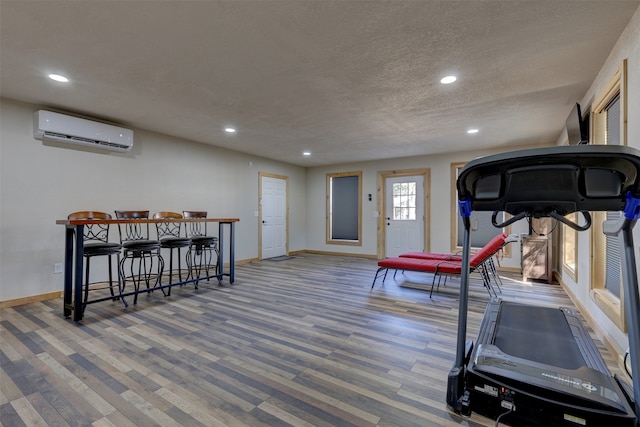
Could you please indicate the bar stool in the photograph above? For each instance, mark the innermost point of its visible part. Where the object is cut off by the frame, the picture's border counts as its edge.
(96, 243)
(136, 245)
(170, 238)
(203, 253)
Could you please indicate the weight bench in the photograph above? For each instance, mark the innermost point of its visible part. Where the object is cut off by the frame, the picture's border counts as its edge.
(444, 265)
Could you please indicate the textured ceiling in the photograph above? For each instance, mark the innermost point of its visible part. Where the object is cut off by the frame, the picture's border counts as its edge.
(347, 80)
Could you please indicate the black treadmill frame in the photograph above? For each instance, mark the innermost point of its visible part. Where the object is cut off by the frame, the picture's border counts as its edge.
(551, 182)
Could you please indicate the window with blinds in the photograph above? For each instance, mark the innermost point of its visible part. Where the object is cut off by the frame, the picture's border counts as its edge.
(612, 114)
(608, 114)
(344, 208)
(613, 267)
(612, 243)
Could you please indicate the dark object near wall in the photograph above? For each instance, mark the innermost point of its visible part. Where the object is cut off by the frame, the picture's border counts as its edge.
(578, 126)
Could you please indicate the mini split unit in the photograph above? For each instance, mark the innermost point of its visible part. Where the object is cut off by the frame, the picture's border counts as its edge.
(50, 126)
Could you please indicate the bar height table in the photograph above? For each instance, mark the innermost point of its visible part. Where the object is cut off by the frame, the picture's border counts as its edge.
(74, 260)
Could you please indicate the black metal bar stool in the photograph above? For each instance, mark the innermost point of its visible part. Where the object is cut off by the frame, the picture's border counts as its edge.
(169, 235)
(137, 246)
(203, 253)
(96, 243)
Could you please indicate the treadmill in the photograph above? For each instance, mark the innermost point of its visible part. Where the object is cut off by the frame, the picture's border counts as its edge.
(534, 365)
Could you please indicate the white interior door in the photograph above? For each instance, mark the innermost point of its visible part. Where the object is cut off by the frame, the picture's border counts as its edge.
(404, 214)
(274, 216)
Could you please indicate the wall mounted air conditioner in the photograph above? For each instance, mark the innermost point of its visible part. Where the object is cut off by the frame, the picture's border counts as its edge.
(50, 126)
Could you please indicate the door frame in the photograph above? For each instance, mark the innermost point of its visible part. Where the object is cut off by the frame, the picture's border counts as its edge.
(286, 220)
(382, 194)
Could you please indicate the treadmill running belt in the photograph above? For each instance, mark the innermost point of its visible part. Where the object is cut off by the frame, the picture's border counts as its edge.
(539, 334)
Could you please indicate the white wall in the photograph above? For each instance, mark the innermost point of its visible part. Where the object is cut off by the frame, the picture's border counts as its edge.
(628, 46)
(440, 196)
(41, 183)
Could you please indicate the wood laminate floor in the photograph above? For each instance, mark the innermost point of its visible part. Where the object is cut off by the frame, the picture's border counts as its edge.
(298, 342)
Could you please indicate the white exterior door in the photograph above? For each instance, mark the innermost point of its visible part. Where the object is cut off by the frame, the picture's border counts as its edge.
(273, 200)
(404, 221)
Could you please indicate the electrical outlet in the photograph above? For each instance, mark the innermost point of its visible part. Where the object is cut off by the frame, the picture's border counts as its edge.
(57, 268)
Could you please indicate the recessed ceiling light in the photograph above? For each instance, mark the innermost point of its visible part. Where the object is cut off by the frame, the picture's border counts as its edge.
(473, 131)
(58, 78)
(306, 153)
(230, 130)
(448, 79)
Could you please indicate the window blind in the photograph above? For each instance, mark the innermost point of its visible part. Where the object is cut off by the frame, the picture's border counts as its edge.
(613, 249)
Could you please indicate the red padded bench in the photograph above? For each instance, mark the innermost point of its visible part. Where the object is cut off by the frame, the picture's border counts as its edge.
(492, 247)
(446, 264)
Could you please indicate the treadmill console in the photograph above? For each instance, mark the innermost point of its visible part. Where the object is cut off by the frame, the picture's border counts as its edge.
(559, 180)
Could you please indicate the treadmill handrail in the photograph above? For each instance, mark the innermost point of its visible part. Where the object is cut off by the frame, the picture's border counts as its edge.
(564, 220)
(515, 218)
(574, 225)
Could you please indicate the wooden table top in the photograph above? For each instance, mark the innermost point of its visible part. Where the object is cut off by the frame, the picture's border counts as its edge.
(140, 221)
